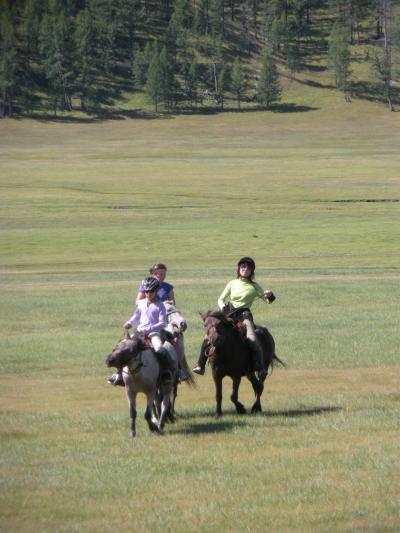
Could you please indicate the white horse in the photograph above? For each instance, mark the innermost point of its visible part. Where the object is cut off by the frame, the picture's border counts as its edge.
(140, 373)
(176, 326)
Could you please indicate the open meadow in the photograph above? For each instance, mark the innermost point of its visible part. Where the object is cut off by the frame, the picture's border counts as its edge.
(312, 192)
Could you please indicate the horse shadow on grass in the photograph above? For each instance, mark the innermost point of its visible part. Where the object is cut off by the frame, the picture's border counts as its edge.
(224, 424)
(302, 412)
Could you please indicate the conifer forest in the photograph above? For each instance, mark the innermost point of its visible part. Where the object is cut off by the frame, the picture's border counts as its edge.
(65, 56)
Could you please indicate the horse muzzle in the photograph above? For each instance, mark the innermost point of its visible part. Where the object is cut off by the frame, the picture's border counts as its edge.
(110, 361)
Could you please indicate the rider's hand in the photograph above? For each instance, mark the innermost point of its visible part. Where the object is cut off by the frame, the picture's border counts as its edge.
(269, 295)
(127, 325)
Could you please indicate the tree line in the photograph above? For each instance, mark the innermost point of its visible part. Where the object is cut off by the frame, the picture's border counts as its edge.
(62, 55)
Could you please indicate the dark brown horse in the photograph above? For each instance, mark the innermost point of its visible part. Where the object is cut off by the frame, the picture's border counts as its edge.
(229, 355)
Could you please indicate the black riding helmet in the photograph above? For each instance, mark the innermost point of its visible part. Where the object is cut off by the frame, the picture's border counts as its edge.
(150, 284)
(248, 261)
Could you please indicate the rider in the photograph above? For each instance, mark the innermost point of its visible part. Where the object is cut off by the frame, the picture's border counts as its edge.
(150, 318)
(165, 292)
(235, 301)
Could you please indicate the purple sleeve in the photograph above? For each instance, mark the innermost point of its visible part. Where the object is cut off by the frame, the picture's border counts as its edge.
(135, 318)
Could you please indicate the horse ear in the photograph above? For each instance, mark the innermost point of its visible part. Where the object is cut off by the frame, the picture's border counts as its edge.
(203, 317)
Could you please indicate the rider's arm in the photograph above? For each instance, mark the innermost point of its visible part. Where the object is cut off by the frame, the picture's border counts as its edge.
(265, 295)
(224, 296)
(140, 295)
(171, 296)
(134, 320)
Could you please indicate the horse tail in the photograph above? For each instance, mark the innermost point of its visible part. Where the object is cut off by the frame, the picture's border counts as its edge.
(190, 380)
(276, 358)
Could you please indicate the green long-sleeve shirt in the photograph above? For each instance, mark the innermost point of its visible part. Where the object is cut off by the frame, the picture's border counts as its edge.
(241, 292)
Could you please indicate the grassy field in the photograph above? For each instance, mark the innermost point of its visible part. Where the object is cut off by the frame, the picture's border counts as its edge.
(313, 195)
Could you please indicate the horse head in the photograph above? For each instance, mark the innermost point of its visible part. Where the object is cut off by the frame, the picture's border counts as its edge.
(215, 324)
(175, 319)
(126, 350)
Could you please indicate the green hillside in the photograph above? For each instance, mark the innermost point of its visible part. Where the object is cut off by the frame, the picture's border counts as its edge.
(103, 57)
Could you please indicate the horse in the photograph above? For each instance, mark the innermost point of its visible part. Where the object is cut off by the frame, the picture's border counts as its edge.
(229, 355)
(141, 371)
(176, 326)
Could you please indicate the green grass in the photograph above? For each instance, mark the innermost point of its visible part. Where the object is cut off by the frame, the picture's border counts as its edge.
(87, 208)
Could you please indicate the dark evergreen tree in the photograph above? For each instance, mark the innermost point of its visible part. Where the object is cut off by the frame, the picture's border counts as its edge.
(154, 79)
(238, 81)
(57, 50)
(90, 77)
(339, 57)
(8, 56)
(268, 88)
(201, 19)
(31, 77)
(193, 82)
(223, 82)
(140, 65)
(169, 85)
(217, 18)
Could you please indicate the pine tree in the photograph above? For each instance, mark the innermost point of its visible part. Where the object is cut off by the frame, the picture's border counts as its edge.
(222, 84)
(192, 82)
(237, 80)
(154, 81)
(293, 58)
(169, 85)
(339, 57)
(217, 18)
(8, 55)
(30, 81)
(139, 67)
(268, 88)
(56, 47)
(89, 75)
(201, 21)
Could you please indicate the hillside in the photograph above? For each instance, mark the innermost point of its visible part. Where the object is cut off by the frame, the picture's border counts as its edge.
(102, 57)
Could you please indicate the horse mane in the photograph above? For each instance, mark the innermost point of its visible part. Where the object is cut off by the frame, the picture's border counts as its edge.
(220, 315)
(141, 345)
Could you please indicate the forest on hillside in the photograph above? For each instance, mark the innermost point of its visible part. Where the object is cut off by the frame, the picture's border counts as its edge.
(89, 55)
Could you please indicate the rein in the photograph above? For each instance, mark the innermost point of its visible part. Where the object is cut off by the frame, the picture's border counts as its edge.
(137, 360)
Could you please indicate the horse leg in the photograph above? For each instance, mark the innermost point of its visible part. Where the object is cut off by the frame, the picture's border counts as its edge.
(148, 413)
(132, 410)
(165, 409)
(171, 415)
(240, 408)
(258, 387)
(218, 395)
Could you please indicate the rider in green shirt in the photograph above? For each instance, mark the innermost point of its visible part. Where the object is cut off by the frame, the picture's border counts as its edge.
(235, 301)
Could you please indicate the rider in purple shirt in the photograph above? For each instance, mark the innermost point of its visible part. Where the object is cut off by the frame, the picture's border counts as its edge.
(150, 318)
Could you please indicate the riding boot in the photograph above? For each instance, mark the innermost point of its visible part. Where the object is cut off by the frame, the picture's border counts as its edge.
(116, 378)
(257, 358)
(166, 364)
(201, 363)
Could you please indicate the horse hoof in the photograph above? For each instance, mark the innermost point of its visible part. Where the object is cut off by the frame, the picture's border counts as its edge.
(218, 415)
(256, 409)
(240, 409)
(132, 433)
